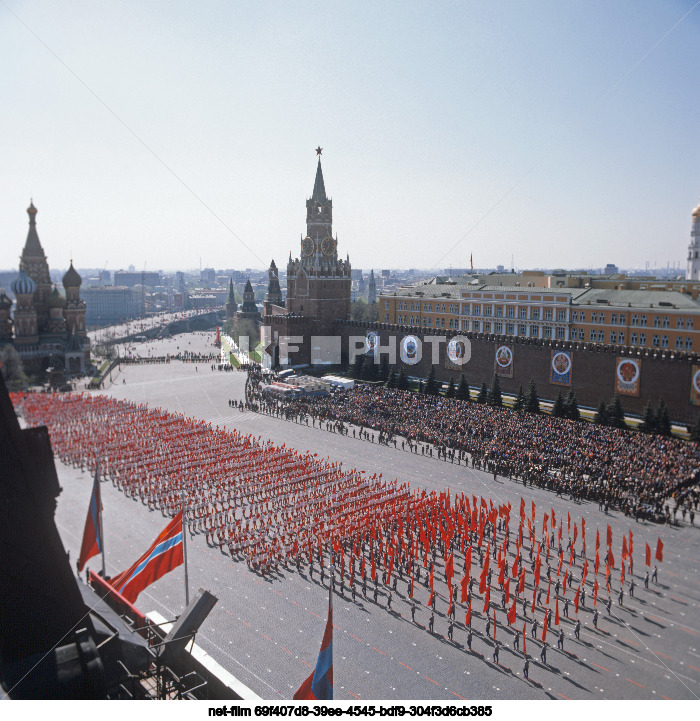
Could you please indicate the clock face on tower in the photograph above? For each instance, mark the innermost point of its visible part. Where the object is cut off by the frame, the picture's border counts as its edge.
(328, 245)
(307, 246)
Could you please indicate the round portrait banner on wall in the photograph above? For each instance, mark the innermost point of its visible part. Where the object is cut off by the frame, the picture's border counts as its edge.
(410, 350)
(370, 342)
(627, 376)
(503, 364)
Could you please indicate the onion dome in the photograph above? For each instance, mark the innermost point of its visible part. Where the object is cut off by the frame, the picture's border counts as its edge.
(71, 279)
(23, 284)
(56, 300)
(696, 212)
(5, 302)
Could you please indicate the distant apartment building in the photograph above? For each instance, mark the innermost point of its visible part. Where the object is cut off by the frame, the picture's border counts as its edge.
(111, 304)
(130, 279)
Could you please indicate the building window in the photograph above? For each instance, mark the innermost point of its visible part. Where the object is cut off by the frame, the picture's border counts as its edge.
(476, 326)
(548, 328)
(633, 339)
(666, 322)
(548, 314)
(498, 328)
(655, 341)
(561, 333)
(689, 324)
(592, 336)
(594, 317)
(465, 325)
(635, 319)
(581, 334)
(499, 311)
(511, 312)
(386, 317)
(679, 342)
(534, 331)
(522, 329)
(535, 314)
(642, 339)
(487, 311)
(613, 336)
(680, 322)
(522, 313)
(476, 309)
(386, 305)
(688, 343)
(510, 329)
(487, 327)
(621, 320)
(613, 318)
(561, 315)
(664, 341)
(657, 321)
(425, 321)
(642, 320)
(601, 336)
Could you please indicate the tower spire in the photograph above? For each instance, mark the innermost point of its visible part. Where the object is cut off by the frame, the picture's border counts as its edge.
(319, 193)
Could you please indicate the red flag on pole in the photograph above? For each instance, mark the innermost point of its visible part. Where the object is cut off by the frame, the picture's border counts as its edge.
(487, 598)
(524, 636)
(660, 550)
(512, 613)
(164, 554)
(556, 612)
(544, 628)
(578, 591)
(494, 625)
(92, 533)
(468, 617)
(648, 555)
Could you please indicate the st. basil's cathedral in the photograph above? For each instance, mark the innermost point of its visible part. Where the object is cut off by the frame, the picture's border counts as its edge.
(47, 328)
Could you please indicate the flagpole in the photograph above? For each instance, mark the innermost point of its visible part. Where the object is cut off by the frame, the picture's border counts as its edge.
(99, 506)
(184, 547)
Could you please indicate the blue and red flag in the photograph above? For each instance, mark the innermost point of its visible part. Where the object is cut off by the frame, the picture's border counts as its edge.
(319, 685)
(163, 556)
(92, 535)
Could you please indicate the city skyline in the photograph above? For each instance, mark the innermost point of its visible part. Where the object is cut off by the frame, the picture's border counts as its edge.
(555, 136)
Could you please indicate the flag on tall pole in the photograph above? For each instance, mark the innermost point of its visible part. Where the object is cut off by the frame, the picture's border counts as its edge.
(92, 534)
(319, 685)
(163, 556)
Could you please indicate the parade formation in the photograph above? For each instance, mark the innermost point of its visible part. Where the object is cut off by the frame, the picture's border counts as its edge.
(479, 567)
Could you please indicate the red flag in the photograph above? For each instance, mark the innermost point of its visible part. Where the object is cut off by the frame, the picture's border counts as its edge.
(487, 598)
(595, 592)
(494, 625)
(624, 547)
(565, 577)
(556, 612)
(464, 584)
(648, 555)
(578, 590)
(432, 576)
(609, 539)
(524, 636)
(506, 589)
(660, 551)
(549, 586)
(512, 613)
(544, 628)
(468, 618)
(92, 533)
(164, 554)
(521, 582)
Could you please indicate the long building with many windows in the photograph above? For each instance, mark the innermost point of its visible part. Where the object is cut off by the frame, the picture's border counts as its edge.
(646, 319)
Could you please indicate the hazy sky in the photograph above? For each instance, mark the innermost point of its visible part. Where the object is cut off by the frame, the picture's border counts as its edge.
(561, 133)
